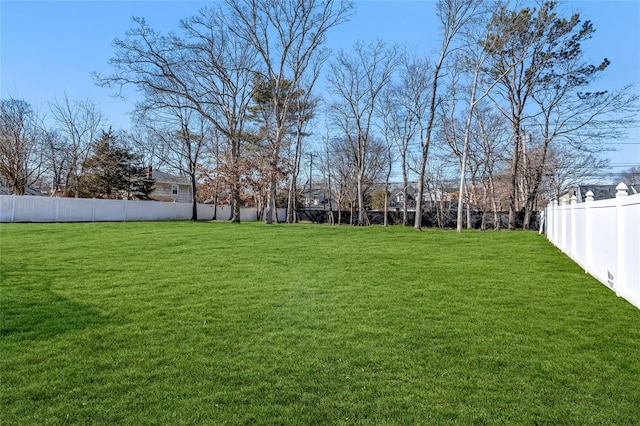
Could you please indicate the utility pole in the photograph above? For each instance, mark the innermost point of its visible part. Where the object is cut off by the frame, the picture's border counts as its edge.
(311, 172)
(311, 178)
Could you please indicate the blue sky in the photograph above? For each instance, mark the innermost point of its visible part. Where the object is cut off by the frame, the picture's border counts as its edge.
(49, 48)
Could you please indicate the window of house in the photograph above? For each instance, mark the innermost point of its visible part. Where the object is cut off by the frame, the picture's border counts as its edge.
(174, 189)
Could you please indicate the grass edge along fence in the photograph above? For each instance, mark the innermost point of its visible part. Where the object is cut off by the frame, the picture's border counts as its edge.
(603, 237)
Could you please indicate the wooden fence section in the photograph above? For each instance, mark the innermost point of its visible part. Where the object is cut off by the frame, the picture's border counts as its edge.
(603, 237)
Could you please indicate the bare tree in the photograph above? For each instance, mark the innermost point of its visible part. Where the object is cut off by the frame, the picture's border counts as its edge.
(402, 113)
(20, 144)
(471, 61)
(288, 36)
(78, 123)
(453, 15)
(209, 69)
(182, 140)
(630, 176)
(358, 81)
(493, 135)
(341, 168)
(305, 105)
(344, 173)
(390, 140)
(57, 160)
(574, 118)
(566, 167)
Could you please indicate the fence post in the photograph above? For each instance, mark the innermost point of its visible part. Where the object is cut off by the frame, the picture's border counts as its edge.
(563, 227)
(588, 231)
(621, 279)
(574, 201)
(554, 227)
(549, 219)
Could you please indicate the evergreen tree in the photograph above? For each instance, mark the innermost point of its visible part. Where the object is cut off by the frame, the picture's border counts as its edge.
(112, 172)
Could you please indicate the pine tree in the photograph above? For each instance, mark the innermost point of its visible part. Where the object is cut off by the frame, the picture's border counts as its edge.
(112, 172)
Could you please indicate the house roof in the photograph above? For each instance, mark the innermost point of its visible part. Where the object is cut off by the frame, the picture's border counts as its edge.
(162, 177)
(314, 192)
(600, 192)
(5, 190)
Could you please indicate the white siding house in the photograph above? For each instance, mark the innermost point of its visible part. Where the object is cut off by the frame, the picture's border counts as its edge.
(168, 187)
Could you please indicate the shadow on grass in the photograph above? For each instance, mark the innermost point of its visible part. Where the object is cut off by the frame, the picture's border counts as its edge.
(33, 312)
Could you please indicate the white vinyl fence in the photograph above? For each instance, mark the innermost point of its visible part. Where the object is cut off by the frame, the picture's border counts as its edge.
(14, 208)
(603, 237)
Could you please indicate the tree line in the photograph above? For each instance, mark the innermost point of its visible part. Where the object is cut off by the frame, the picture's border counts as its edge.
(78, 157)
(507, 104)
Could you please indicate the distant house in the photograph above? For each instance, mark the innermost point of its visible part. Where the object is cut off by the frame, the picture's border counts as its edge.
(313, 197)
(600, 192)
(5, 190)
(397, 201)
(317, 199)
(168, 187)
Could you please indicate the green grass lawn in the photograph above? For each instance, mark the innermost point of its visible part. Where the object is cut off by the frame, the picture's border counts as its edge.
(217, 323)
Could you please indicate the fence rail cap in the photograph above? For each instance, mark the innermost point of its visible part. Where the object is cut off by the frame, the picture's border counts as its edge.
(621, 190)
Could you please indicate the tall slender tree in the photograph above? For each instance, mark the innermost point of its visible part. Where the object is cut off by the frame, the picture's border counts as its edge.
(403, 111)
(78, 123)
(358, 81)
(453, 15)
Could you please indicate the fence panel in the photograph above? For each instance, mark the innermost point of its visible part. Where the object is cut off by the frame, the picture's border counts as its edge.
(223, 213)
(629, 269)
(104, 212)
(76, 209)
(248, 214)
(31, 207)
(579, 222)
(604, 243)
(205, 211)
(603, 237)
(15, 208)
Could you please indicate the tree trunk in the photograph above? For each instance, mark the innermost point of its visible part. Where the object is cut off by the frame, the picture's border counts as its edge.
(468, 207)
(417, 224)
(235, 203)
(405, 211)
(292, 201)
(194, 199)
(386, 203)
(513, 175)
(292, 215)
(361, 209)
